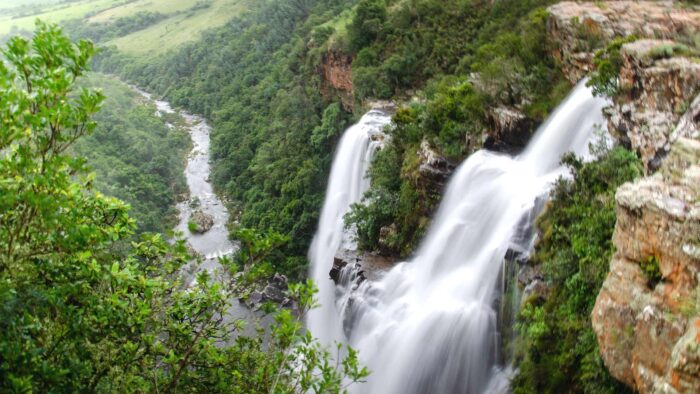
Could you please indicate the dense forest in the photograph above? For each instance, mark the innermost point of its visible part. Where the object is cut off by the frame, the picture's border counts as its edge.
(135, 155)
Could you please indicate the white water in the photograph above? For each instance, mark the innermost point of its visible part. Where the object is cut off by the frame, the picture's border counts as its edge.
(346, 185)
(429, 325)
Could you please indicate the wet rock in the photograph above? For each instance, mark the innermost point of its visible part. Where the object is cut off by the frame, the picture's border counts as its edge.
(276, 291)
(536, 289)
(509, 130)
(203, 221)
(434, 168)
(528, 274)
(643, 327)
(368, 265)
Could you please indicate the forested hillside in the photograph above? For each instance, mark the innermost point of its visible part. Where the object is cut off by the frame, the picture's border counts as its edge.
(89, 308)
(274, 134)
(135, 155)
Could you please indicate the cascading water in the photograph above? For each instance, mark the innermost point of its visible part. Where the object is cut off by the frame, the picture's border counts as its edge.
(429, 325)
(346, 185)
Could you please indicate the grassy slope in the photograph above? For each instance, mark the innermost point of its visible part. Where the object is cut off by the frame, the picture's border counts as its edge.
(180, 28)
(182, 25)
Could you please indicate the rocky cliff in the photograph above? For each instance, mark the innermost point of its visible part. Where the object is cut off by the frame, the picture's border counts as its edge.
(336, 72)
(647, 315)
(658, 79)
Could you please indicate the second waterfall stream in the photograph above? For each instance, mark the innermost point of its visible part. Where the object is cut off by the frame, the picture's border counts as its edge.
(429, 324)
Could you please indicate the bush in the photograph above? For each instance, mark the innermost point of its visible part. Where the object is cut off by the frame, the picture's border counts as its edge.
(607, 62)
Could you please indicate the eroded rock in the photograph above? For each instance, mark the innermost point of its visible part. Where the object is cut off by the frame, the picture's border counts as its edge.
(654, 96)
(367, 265)
(434, 168)
(578, 28)
(509, 130)
(336, 73)
(645, 329)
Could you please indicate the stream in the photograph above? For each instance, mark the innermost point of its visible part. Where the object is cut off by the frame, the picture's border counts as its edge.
(214, 243)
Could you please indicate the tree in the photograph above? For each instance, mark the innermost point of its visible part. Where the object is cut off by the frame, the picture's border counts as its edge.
(367, 24)
(86, 308)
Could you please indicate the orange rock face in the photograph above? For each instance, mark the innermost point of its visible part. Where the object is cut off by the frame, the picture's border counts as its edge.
(336, 70)
(647, 331)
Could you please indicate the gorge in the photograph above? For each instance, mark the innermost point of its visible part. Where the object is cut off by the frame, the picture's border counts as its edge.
(350, 196)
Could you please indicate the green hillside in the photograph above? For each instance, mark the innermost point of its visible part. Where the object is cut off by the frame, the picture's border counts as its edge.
(176, 21)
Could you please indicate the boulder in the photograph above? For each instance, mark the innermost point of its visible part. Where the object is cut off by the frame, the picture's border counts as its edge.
(646, 330)
(204, 221)
(509, 130)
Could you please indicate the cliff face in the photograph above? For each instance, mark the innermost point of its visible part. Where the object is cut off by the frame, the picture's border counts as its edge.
(654, 92)
(646, 322)
(578, 29)
(647, 315)
(336, 72)
(655, 85)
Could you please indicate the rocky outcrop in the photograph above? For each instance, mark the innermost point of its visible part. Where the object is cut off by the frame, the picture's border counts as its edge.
(654, 94)
(275, 291)
(203, 221)
(434, 169)
(509, 130)
(365, 265)
(579, 28)
(336, 72)
(647, 315)
(657, 83)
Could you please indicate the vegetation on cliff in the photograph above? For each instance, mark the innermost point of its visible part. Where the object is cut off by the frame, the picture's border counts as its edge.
(494, 54)
(557, 349)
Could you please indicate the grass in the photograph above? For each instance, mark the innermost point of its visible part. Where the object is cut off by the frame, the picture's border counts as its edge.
(185, 22)
(180, 28)
(11, 21)
(338, 39)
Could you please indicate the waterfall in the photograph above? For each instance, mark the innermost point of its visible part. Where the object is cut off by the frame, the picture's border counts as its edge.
(429, 325)
(346, 185)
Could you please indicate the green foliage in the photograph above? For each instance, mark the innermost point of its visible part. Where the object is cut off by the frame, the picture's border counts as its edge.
(607, 62)
(136, 156)
(367, 24)
(651, 269)
(192, 227)
(474, 56)
(558, 351)
(85, 311)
